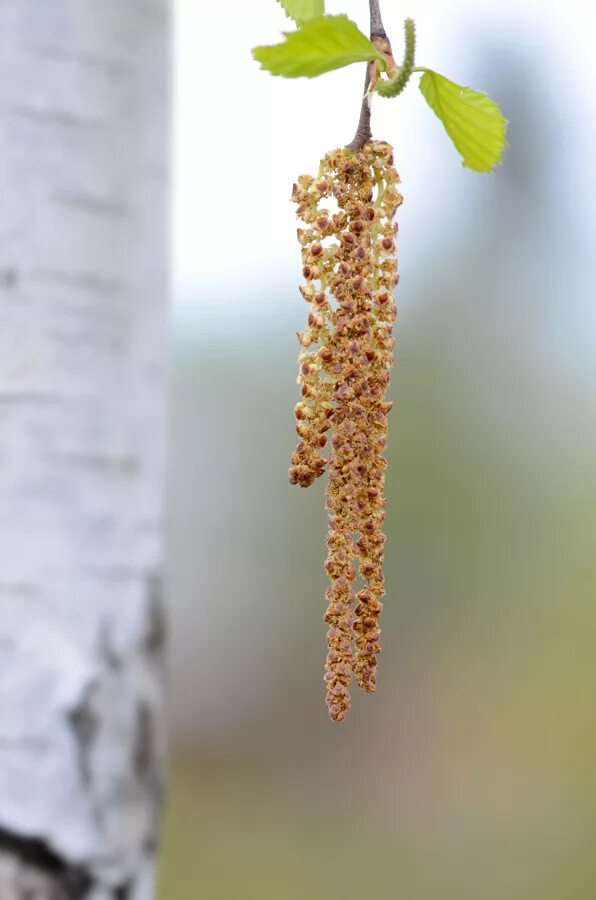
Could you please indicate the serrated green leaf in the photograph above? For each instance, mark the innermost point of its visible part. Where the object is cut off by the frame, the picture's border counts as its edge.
(472, 120)
(320, 45)
(303, 10)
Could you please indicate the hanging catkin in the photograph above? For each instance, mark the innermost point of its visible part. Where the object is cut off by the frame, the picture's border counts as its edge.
(350, 270)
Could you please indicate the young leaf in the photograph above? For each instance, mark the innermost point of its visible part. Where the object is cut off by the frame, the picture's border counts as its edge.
(303, 10)
(472, 120)
(320, 45)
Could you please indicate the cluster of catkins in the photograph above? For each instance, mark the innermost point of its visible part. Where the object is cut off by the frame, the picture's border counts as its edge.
(350, 270)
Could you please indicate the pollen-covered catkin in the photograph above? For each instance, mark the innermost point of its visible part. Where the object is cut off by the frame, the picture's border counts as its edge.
(350, 271)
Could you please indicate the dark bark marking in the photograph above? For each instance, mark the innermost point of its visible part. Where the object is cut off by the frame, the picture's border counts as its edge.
(124, 892)
(155, 636)
(143, 749)
(89, 281)
(39, 398)
(99, 206)
(84, 723)
(62, 117)
(127, 466)
(9, 278)
(67, 882)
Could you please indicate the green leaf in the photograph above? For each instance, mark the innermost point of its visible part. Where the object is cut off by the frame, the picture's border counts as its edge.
(303, 10)
(320, 45)
(472, 120)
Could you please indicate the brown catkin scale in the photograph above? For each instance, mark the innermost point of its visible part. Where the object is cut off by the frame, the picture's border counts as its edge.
(350, 270)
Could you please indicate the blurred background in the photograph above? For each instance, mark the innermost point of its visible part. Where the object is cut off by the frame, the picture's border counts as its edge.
(470, 774)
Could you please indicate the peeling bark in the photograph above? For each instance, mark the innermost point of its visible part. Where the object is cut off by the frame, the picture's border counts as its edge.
(83, 188)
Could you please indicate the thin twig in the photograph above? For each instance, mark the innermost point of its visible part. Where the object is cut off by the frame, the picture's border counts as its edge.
(363, 131)
(376, 22)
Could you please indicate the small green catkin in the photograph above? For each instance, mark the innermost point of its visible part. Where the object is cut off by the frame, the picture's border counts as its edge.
(394, 86)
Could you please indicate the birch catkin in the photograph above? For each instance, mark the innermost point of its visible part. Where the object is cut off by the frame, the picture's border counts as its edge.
(350, 270)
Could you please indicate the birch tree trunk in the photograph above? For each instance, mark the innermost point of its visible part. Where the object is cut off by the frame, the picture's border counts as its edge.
(83, 116)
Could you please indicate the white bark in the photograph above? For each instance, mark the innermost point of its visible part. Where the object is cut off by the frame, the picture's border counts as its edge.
(83, 102)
